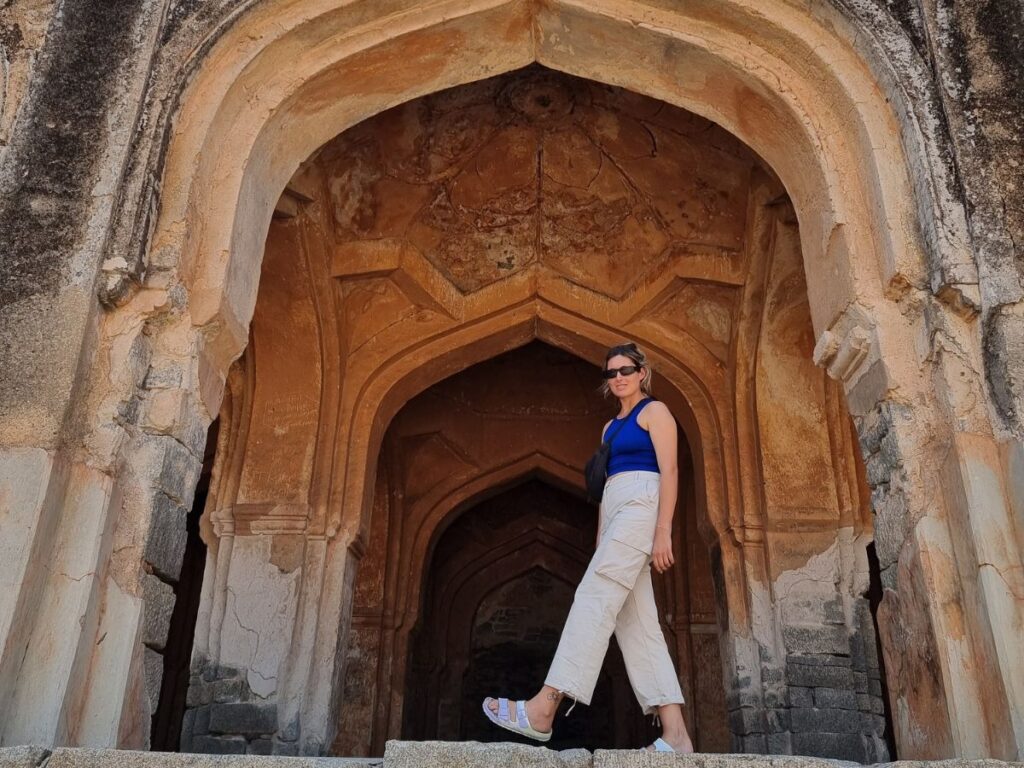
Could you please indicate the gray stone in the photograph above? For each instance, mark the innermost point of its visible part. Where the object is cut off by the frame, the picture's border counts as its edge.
(22, 757)
(165, 541)
(247, 719)
(224, 691)
(801, 697)
(814, 720)
(260, 747)
(168, 376)
(836, 698)
(818, 660)
(860, 682)
(157, 607)
(472, 754)
(756, 743)
(778, 720)
(842, 746)
(153, 666)
(747, 720)
(202, 725)
(216, 745)
(198, 693)
(812, 676)
(289, 731)
(780, 744)
(823, 639)
(834, 613)
(875, 687)
(287, 748)
(179, 471)
(188, 729)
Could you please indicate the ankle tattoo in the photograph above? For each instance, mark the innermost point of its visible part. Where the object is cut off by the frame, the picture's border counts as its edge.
(553, 696)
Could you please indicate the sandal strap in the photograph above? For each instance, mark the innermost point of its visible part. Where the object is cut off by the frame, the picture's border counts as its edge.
(503, 709)
(524, 721)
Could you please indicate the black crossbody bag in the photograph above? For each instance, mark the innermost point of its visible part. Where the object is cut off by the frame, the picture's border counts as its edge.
(596, 471)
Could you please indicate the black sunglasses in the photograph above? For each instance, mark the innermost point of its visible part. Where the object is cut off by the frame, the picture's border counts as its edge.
(626, 370)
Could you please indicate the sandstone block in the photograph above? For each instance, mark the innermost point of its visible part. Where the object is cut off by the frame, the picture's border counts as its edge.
(248, 719)
(22, 757)
(228, 756)
(472, 754)
(605, 758)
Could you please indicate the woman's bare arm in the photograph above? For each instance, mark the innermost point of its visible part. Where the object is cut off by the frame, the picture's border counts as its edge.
(662, 427)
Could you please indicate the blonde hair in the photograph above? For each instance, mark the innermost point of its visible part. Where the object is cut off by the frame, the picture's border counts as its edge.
(634, 353)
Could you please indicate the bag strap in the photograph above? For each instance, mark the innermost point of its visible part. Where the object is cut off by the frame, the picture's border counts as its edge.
(608, 438)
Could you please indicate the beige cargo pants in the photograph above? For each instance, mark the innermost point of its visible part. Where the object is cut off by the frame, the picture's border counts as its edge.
(616, 595)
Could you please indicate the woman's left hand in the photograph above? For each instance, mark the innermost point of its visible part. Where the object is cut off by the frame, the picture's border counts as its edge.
(661, 556)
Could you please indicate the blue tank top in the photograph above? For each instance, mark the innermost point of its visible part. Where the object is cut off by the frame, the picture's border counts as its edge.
(632, 447)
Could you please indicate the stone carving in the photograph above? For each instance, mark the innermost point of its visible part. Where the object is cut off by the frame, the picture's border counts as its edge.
(539, 168)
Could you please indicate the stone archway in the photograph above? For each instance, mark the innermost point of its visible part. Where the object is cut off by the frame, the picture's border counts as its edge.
(803, 90)
(720, 305)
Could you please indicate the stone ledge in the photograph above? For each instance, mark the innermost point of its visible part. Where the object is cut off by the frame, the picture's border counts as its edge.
(441, 754)
(473, 754)
(63, 757)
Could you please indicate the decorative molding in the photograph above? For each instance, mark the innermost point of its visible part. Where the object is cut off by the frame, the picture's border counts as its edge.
(841, 357)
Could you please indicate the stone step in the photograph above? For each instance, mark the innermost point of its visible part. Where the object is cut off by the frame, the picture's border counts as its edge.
(446, 754)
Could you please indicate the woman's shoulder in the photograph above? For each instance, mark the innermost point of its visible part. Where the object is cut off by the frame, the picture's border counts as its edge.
(654, 410)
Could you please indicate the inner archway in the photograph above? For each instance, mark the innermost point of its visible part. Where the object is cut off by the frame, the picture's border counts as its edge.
(512, 430)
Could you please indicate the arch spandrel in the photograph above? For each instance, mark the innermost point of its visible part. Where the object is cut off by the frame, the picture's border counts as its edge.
(308, 131)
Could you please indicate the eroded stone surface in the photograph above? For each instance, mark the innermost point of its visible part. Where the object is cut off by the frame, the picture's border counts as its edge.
(420, 754)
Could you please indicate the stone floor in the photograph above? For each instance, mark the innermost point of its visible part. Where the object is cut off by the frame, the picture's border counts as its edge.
(434, 754)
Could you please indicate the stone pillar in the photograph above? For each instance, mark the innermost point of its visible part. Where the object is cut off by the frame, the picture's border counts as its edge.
(71, 131)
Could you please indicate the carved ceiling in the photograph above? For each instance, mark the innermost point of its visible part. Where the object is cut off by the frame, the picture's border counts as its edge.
(536, 172)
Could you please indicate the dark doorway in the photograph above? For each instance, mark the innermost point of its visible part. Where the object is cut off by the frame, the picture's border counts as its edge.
(501, 581)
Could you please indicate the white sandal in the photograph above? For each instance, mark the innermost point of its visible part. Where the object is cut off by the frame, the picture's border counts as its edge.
(660, 745)
(502, 720)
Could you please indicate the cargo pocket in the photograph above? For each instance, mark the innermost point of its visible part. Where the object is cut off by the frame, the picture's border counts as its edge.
(625, 553)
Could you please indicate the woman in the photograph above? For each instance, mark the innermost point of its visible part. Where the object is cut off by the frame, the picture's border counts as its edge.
(616, 595)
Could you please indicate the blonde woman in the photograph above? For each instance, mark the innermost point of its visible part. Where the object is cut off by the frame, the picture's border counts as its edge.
(616, 594)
